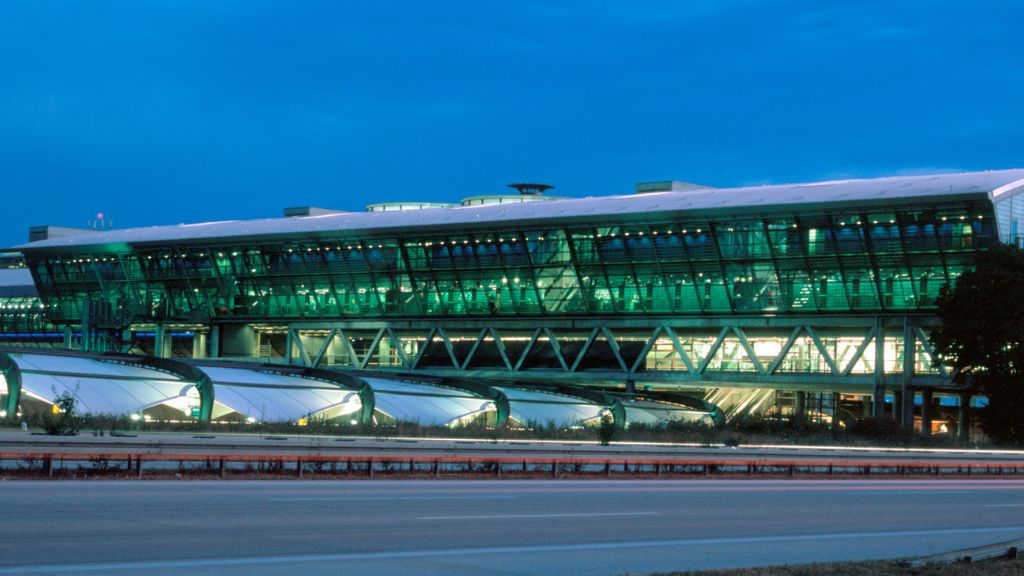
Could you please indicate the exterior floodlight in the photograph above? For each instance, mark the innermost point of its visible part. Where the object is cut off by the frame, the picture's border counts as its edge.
(3, 413)
(250, 420)
(135, 417)
(353, 422)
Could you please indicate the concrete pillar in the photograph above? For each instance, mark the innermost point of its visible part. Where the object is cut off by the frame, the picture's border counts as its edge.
(199, 345)
(800, 404)
(68, 339)
(907, 405)
(926, 411)
(897, 406)
(630, 387)
(289, 347)
(214, 341)
(235, 340)
(162, 342)
(906, 415)
(963, 424)
(866, 406)
(835, 409)
(879, 384)
(878, 401)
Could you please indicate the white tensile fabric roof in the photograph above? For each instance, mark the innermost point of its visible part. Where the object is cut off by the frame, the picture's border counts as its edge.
(877, 189)
(100, 387)
(425, 404)
(274, 397)
(656, 413)
(542, 408)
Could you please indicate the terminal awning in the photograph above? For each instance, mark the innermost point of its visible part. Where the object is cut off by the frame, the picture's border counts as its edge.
(535, 408)
(268, 396)
(102, 386)
(656, 413)
(427, 404)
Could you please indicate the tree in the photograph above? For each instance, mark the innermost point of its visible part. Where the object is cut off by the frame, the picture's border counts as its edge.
(982, 338)
(606, 430)
(63, 420)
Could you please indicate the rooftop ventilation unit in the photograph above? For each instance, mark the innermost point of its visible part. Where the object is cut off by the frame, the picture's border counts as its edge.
(668, 186)
(401, 206)
(309, 211)
(531, 189)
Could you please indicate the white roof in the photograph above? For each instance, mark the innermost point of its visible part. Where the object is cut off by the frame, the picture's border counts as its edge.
(274, 397)
(425, 404)
(99, 387)
(539, 408)
(877, 189)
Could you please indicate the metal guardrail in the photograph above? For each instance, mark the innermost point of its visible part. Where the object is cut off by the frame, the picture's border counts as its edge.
(1009, 550)
(51, 464)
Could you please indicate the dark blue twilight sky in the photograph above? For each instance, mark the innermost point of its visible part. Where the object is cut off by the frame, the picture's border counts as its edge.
(180, 111)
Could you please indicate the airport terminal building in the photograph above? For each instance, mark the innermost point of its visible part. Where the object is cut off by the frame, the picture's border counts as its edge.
(815, 298)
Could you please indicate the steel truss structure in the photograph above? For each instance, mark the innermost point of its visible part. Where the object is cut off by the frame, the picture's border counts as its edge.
(854, 356)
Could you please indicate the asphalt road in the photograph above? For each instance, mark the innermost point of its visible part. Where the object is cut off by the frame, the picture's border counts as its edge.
(487, 527)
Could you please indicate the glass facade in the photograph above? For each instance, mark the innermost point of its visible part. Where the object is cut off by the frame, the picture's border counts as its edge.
(872, 259)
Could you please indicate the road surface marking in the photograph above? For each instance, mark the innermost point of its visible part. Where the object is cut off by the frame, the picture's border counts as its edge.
(388, 498)
(534, 516)
(140, 566)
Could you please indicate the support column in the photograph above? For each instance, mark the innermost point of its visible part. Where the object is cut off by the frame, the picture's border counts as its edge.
(878, 406)
(800, 404)
(907, 405)
(199, 345)
(878, 401)
(866, 406)
(68, 342)
(214, 341)
(289, 346)
(906, 415)
(162, 342)
(926, 411)
(963, 424)
(835, 409)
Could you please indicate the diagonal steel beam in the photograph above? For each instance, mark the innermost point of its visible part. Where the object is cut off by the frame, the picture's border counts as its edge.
(501, 348)
(448, 346)
(821, 350)
(349, 349)
(323, 348)
(784, 351)
(680, 351)
(714, 349)
(526, 351)
(297, 342)
(373, 348)
(748, 349)
(585, 349)
(398, 346)
(557, 348)
(646, 349)
(860, 350)
(615, 347)
(423, 349)
(930, 350)
(472, 351)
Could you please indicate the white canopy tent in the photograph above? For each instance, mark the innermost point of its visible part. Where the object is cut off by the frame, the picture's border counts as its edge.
(426, 404)
(262, 395)
(102, 386)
